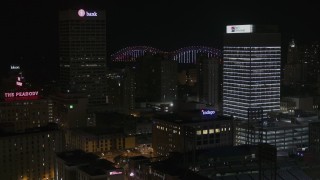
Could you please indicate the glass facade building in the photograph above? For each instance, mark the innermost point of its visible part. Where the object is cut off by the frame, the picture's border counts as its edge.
(251, 73)
(285, 136)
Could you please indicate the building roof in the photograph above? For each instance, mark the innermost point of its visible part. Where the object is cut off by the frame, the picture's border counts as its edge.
(48, 128)
(98, 167)
(194, 116)
(77, 157)
(96, 131)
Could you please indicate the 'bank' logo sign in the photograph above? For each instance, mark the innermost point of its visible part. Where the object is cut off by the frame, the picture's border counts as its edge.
(83, 13)
(249, 28)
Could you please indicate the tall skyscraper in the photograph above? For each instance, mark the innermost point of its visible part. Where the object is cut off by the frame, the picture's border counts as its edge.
(156, 78)
(82, 53)
(293, 68)
(208, 81)
(251, 70)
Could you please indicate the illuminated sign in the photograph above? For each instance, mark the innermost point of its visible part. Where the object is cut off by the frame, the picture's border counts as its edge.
(115, 173)
(240, 28)
(91, 13)
(14, 67)
(83, 13)
(19, 95)
(208, 112)
(19, 83)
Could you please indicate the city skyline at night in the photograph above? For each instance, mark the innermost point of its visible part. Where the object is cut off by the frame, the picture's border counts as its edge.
(119, 90)
(31, 28)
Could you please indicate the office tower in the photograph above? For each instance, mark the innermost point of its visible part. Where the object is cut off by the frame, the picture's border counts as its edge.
(208, 81)
(156, 79)
(251, 70)
(314, 137)
(293, 67)
(121, 89)
(311, 63)
(129, 89)
(82, 53)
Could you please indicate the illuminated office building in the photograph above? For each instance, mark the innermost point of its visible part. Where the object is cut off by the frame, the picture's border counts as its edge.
(82, 53)
(251, 70)
(189, 131)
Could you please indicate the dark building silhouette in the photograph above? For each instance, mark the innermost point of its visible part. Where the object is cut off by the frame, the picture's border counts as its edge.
(82, 54)
(209, 81)
(156, 78)
(293, 68)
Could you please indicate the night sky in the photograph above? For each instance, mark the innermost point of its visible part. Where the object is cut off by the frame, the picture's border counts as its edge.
(30, 28)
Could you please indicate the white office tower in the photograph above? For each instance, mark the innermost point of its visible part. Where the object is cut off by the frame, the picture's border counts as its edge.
(251, 70)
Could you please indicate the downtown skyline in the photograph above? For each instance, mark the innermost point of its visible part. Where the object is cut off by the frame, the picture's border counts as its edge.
(31, 28)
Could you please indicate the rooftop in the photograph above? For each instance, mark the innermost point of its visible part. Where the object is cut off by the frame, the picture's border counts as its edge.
(195, 116)
(77, 157)
(99, 167)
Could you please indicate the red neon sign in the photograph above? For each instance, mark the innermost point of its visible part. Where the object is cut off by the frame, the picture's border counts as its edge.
(20, 95)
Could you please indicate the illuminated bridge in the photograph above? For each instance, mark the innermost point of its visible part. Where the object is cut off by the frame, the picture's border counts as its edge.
(130, 54)
(190, 54)
(183, 55)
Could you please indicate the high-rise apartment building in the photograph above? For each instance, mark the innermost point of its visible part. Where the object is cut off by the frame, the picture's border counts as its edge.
(251, 70)
(82, 53)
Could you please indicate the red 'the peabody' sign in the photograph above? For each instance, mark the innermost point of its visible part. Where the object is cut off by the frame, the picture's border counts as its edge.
(28, 95)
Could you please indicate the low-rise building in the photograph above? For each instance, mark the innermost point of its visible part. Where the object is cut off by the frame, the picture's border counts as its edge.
(97, 140)
(189, 131)
(80, 165)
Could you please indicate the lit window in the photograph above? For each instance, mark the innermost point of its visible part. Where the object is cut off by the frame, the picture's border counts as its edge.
(211, 131)
(205, 132)
(217, 130)
(199, 132)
